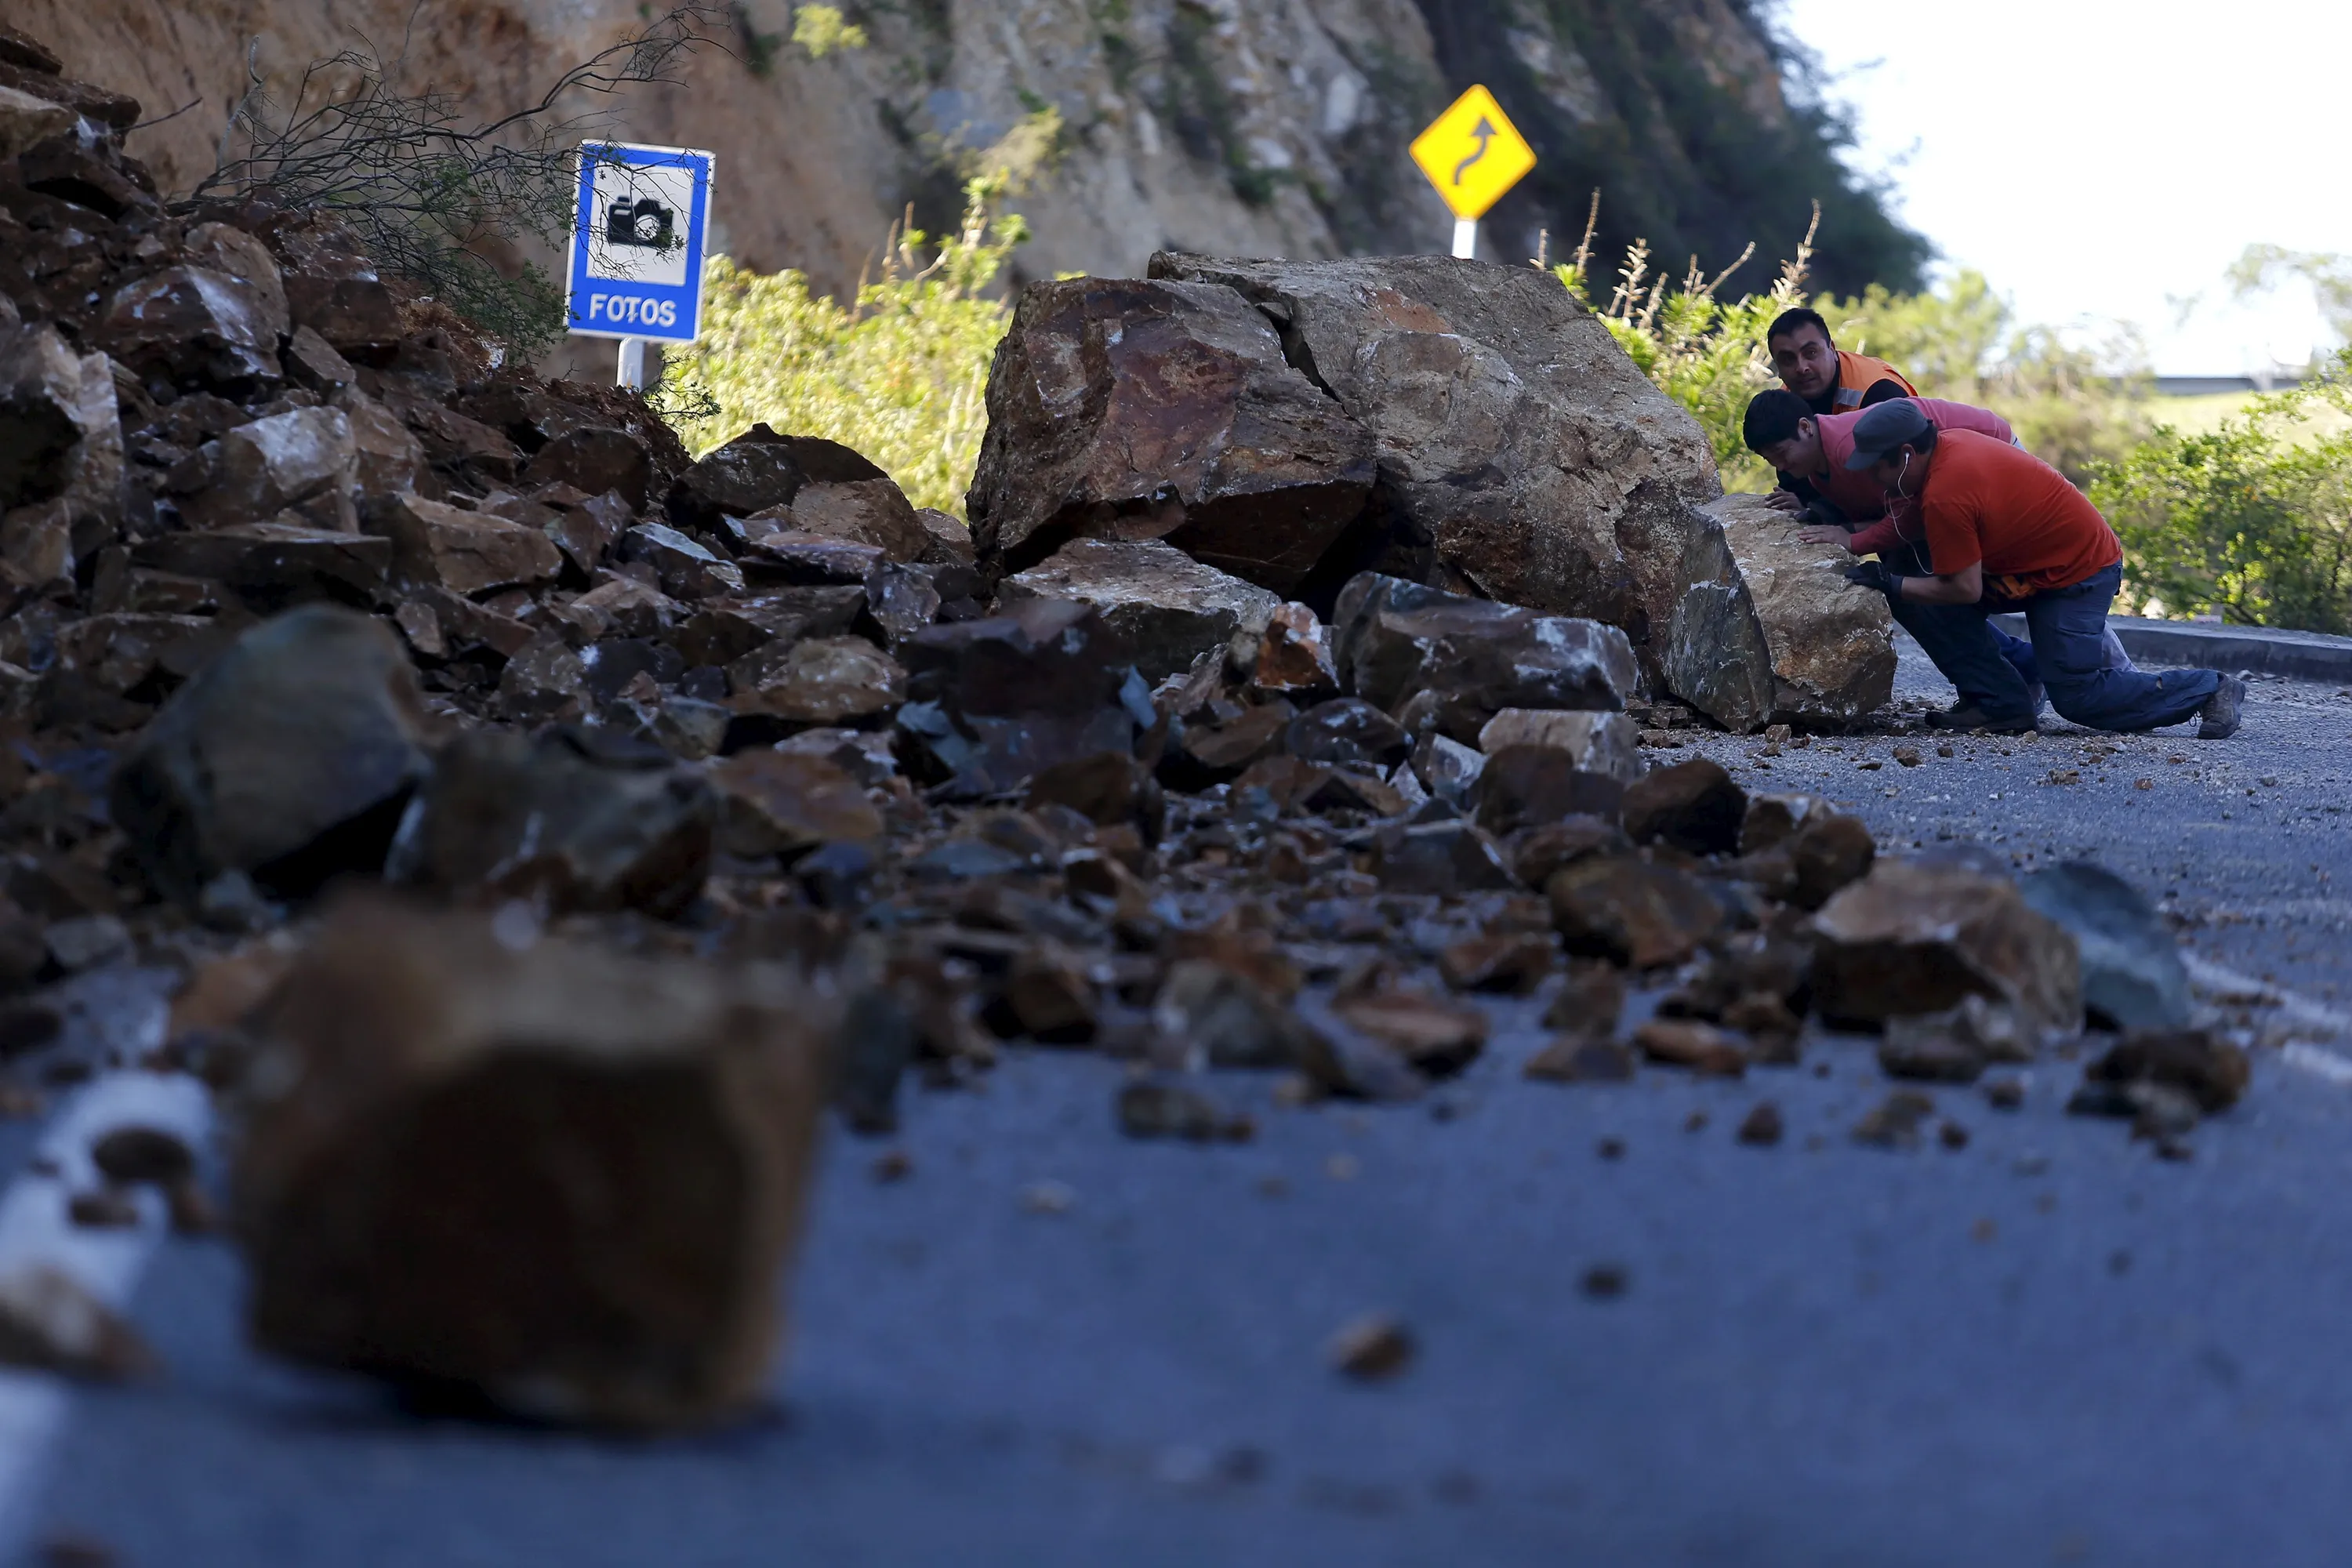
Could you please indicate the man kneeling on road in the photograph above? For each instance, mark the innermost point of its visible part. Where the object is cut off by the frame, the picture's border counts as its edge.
(2005, 531)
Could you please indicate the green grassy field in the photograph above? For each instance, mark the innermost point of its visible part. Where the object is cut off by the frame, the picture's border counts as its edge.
(2202, 416)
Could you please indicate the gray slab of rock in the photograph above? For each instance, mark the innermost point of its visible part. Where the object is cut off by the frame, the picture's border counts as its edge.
(288, 757)
(1170, 606)
(1768, 631)
(2133, 977)
(564, 1178)
(1124, 409)
(1520, 452)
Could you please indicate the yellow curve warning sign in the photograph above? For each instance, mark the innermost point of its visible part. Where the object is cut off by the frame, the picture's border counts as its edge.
(1472, 154)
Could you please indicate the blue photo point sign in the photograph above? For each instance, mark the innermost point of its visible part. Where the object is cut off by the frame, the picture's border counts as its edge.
(636, 250)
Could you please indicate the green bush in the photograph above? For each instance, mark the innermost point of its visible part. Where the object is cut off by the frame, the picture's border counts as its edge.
(901, 374)
(2252, 521)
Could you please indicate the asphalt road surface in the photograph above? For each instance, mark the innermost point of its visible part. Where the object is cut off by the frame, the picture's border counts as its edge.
(1048, 1345)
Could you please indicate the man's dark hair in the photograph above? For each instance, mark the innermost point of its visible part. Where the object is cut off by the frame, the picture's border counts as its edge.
(1788, 322)
(1771, 418)
(1925, 442)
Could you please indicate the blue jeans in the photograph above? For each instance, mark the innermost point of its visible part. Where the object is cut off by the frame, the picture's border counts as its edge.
(2067, 656)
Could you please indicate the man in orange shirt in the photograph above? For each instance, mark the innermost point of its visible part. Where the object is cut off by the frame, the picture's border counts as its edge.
(2005, 531)
(1830, 379)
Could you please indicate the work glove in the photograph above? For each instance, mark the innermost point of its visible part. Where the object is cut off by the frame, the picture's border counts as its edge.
(1874, 575)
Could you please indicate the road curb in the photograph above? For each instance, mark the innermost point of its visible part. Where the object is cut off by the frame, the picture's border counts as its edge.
(2305, 656)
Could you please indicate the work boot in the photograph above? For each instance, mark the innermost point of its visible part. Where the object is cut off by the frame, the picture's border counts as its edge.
(2220, 711)
(1968, 716)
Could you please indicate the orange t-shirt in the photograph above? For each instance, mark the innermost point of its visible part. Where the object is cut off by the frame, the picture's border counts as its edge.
(1985, 501)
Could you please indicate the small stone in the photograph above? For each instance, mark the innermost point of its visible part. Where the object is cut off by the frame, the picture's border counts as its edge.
(1372, 1348)
(1908, 756)
(1944, 749)
(51, 1322)
(1632, 912)
(1610, 1148)
(1158, 1110)
(1952, 1136)
(1575, 1057)
(1762, 1125)
(2005, 1094)
(1048, 1197)
(135, 1155)
(1510, 963)
(1928, 1053)
(1912, 937)
(1894, 1123)
(892, 1165)
(1707, 1051)
(1606, 1281)
(102, 1209)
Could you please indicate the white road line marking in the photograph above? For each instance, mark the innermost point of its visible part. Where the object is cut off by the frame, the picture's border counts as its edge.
(35, 1230)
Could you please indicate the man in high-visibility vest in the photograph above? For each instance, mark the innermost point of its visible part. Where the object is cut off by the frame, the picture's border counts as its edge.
(2006, 531)
(1830, 379)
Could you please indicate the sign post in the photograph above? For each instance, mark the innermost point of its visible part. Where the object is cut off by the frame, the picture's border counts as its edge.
(1472, 153)
(638, 244)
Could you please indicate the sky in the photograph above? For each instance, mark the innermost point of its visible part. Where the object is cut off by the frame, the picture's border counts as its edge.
(2103, 161)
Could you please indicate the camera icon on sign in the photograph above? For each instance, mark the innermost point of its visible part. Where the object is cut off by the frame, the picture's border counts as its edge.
(644, 222)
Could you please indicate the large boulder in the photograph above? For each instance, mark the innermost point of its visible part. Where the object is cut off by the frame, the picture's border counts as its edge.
(1522, 455)
(558, 1177)
(1170, 606)
(1125, 409)
(1768, 631)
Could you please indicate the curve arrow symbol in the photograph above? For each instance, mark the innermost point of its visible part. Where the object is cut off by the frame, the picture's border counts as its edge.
(1484, 132)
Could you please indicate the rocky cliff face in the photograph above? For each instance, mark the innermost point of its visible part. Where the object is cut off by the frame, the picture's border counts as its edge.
(1231, 127)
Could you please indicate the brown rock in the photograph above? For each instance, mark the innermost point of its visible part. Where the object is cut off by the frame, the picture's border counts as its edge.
(1107, 788)
(1762, 1126)
(1431, 1034)
(1536, 853)
(312, 361)
(820, 680)
(1449, 662)
(288, 757)
(1511, 962)
(687, 571)
(1687, 1043)
(1447, 859)
(60, 435)
(759, 471)
(991, 702)
(1227, 1016)
(1632, 912)
(1895, 1122)
(51, 1322)
(1123, 409)
(1213, 752)
(27, 122)
(868, 512)
(388, 458)
(1048, 996)
(1912, 938)
(796, 559)
(595, 459)
(773, 803)
(950, 540)
(2213, 1073)
(191, 323)
(1694, 806)
(1373, 1349)
(273, 566)
(565, 1178)
(569, 818)
(1768, 631)
(1155, 1110)
(303, 461)
(1347, 732)
(1168, 606)
(1294, 655)
(545, 682)
(1531, 786)
(465, 552)
(1595, 742)
(1576, 1056)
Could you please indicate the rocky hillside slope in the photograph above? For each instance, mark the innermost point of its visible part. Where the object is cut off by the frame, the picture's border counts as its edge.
(1277, 127)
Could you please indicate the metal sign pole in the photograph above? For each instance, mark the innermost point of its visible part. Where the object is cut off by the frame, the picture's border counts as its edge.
(631, 372)
(1465, 237)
